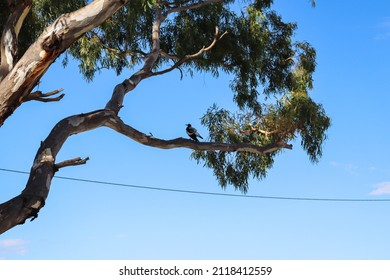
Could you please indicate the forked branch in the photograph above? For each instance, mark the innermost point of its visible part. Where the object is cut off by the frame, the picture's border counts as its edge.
(45, 97)
(33, 197)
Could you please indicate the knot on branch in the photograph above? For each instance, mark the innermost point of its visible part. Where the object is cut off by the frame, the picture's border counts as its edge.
(51, 43)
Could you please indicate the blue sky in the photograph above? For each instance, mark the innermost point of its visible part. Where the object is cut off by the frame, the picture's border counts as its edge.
(94, 221)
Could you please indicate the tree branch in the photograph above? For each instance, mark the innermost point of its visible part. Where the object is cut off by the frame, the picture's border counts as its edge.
(45, 97)
(33, 197)
(117, 124)
(9, 39)
(40, 55)
(71, 162)
(129, 84)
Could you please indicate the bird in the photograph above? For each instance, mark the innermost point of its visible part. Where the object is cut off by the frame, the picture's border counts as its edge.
(193, 133)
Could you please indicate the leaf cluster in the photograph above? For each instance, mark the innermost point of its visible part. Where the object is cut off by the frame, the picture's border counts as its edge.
(298, 116)
(234, 168)
(271, 73)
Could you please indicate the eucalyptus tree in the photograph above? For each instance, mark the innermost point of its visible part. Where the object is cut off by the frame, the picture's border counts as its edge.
(249, 42)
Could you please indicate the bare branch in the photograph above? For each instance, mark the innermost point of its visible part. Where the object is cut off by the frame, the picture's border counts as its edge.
(118, 125)
(71, 162)
(44, 97)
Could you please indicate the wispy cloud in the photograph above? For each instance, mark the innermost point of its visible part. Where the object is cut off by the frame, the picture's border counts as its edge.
(12, 246)
(385, 23)
(381, 189)
(383, 28)
(350, 168)
(6, 243)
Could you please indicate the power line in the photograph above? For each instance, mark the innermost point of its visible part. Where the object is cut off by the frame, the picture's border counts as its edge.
(206, 193)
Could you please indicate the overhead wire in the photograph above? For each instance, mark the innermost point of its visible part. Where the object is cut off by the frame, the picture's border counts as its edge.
(205, 193)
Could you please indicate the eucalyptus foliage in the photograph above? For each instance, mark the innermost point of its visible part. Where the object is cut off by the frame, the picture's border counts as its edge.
(271, 73)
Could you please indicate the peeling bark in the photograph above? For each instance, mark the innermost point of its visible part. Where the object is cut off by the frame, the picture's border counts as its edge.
(25, 74)
(9, 39)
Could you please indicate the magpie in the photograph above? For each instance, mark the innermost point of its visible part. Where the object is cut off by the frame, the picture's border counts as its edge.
(192, 132)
